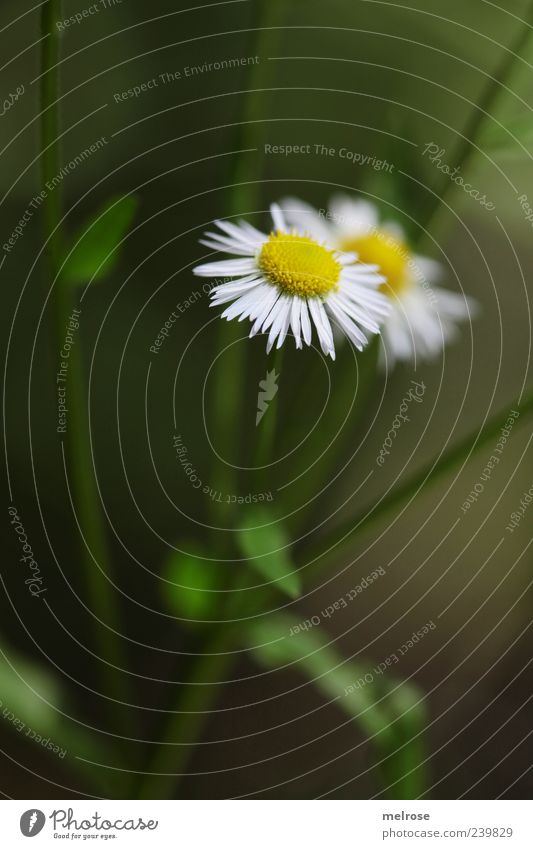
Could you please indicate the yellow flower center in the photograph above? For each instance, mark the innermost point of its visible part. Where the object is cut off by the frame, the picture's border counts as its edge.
(299, 266)
(391, 254)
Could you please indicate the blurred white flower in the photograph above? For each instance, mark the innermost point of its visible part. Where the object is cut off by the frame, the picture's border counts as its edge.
(289, 280)
(423, 316)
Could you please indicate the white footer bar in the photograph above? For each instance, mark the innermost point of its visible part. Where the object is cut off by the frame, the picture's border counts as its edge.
(268, 824)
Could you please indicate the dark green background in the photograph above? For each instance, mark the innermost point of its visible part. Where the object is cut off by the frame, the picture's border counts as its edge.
(374, 76)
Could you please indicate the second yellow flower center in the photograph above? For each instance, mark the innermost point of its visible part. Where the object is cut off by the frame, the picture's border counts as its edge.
(299, 266)
(391, 254)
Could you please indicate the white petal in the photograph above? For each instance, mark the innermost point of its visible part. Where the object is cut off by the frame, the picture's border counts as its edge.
(267, 307)
(254, 233)
(283, 310)
(306, 323)
(429, 269)
(278, 217)
(376, 303)
(352, 217)
(346, 258)
(220, 293)
(363, 273)
(262, 297)
(323, 327)
(325, 323)
(226, 245)
(412, 328)
(374, 306)
(398, 341)
(242, 232)
(272, 316)
(242, 304)
(295, 321)
(284, 327)
(306, 220)
(360, 315)
(394, 229)
(226, 268)
(455, 306)
(348, 326)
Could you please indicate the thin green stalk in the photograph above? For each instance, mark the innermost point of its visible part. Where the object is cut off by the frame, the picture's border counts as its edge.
(188, 722)
(228, 394)
(347, 531)
(268, 15)
(342, 394)
(228, 401)
(404, 770)
(478, 116)
(266, 428)
(51, 12)
(79, 465)
(244, 199)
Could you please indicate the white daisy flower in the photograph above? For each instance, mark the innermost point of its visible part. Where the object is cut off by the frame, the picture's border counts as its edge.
(423, 316)
(291, 281)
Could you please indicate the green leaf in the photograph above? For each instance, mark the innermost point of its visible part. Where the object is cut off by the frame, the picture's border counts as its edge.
(263, 541)
(390, 711)
(96, 248)
(335, 678)
(32, 705)
(28, 693)
(193, 592)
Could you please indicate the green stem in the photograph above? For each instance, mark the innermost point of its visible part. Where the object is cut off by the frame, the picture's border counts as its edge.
(340, 426)
(228, 377)
(403, 771)
(196, 699)
(268, 15)
(79, 464)
(244, 199)
(478, 116)
(193, 706)
(51, 12)
(346, 532)
(267, 428)
(186, 725)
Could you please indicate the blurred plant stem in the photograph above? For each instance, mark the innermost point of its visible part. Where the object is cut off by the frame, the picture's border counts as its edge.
(266, 428)
(51, 12)
(478, 116)
(78, 461)
(349, 384)
(228, 379)
(194, 703)
(230, 374)
(346, 532)
(268, 16)
(404, 764)
(186, 725)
